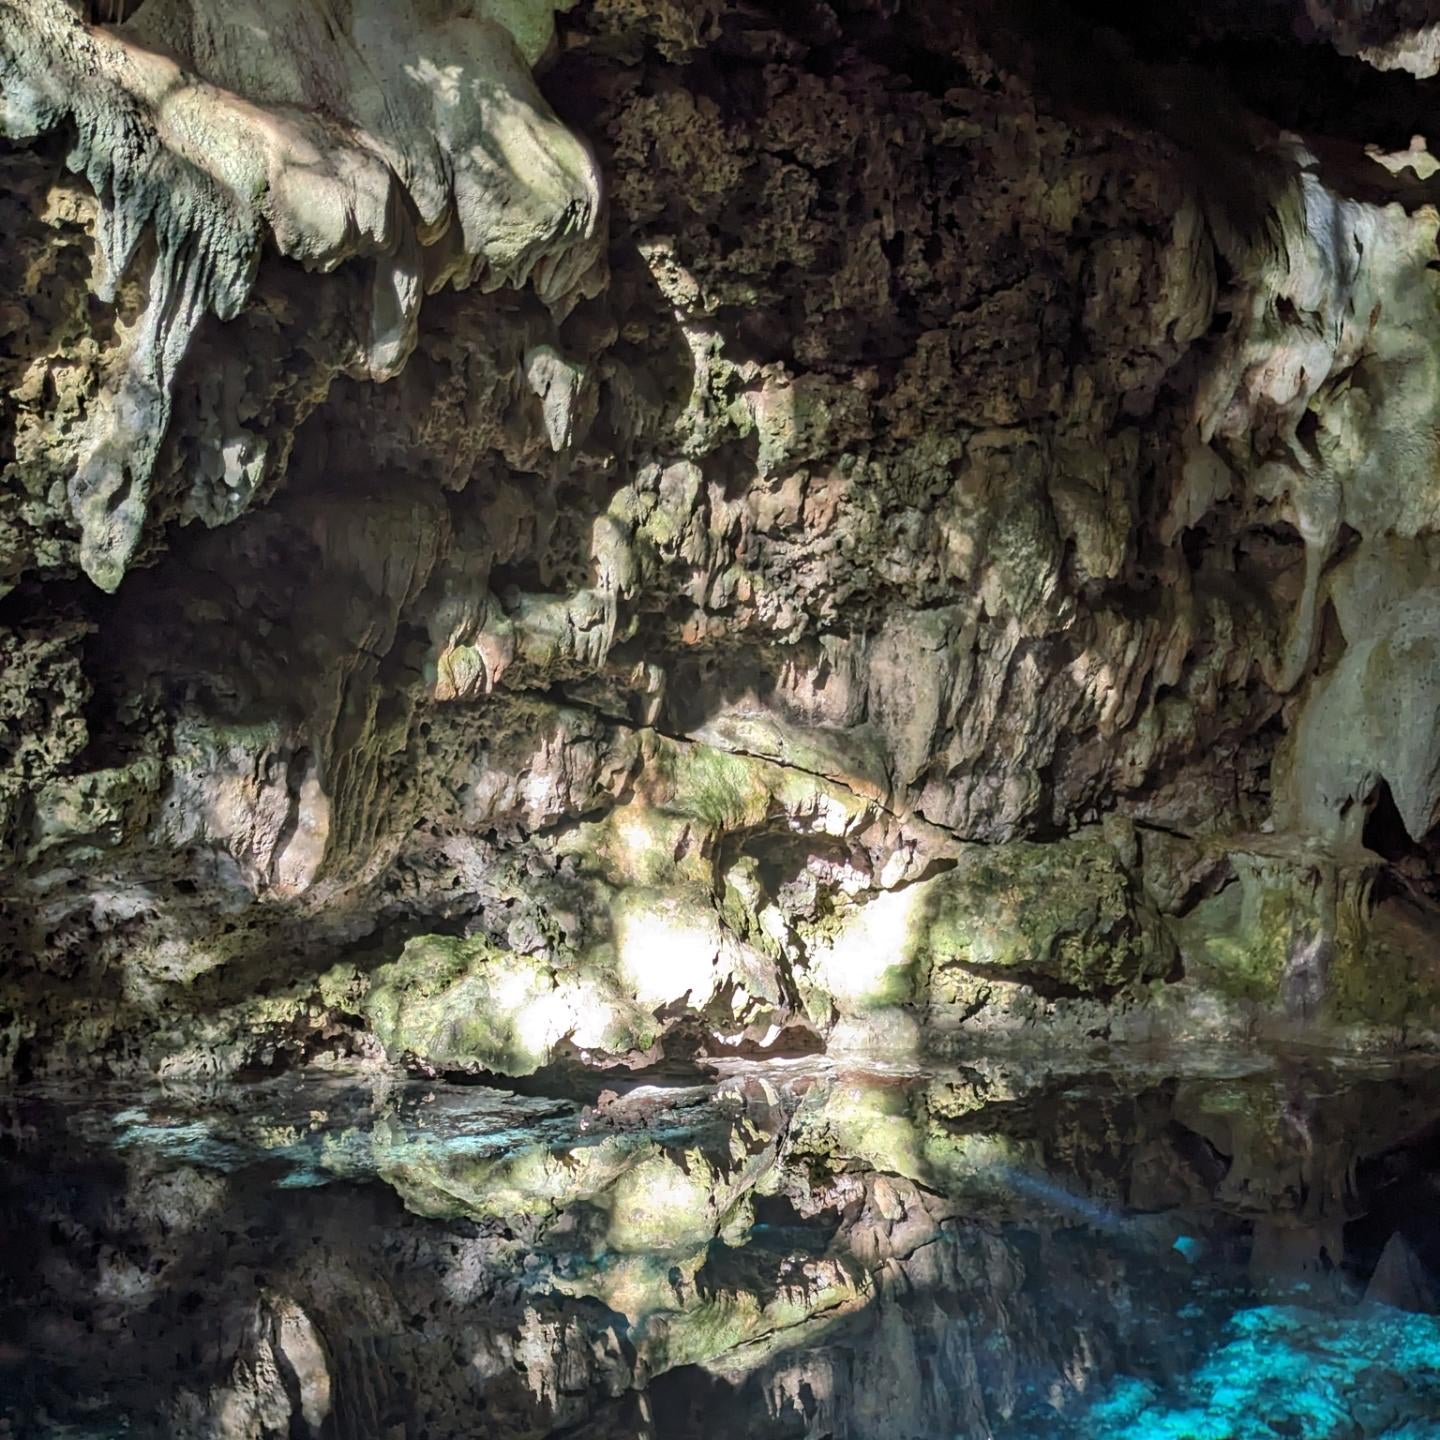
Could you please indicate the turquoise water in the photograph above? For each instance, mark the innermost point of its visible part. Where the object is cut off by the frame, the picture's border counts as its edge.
(1242, 1249)
(1289, 1370)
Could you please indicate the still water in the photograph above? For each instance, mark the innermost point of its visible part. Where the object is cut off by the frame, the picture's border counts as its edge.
(1248, 1247)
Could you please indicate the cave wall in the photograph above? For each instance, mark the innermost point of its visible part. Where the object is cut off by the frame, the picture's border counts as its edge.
(536, 536)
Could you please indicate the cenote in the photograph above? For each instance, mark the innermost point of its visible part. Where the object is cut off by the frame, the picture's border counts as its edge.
(719, 718)
(1243, 1249)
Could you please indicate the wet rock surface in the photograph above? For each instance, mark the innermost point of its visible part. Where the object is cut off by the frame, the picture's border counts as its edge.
(800, 1250)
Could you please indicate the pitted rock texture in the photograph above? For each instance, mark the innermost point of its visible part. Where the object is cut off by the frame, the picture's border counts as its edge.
(877, 540)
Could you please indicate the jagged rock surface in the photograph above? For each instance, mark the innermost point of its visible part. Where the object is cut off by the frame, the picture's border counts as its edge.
(864, 539)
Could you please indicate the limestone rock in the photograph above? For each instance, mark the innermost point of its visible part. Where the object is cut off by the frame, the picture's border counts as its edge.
(198, 124)
(731, 527)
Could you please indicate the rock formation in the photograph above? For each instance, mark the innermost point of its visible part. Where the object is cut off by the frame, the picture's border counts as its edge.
(570, 535)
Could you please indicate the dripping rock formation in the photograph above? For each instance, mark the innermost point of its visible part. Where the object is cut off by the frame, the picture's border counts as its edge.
(587, 534)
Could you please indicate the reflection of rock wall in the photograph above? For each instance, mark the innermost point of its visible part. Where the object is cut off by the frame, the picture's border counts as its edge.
(965, 1253)
(947, 556)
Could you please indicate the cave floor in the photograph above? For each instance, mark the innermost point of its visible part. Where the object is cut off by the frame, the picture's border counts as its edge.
(1186, 1245)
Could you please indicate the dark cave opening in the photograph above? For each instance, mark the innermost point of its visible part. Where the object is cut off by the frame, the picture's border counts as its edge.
(1385, 831)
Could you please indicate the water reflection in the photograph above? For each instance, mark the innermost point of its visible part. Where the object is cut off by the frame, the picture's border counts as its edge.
(789, 1251)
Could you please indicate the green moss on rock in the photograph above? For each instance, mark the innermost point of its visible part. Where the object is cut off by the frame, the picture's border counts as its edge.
(723, 790)
(1385, 970)
(1294, 932)
(1067, 912)
(452, 1004)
